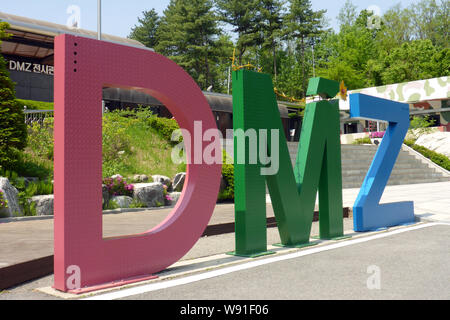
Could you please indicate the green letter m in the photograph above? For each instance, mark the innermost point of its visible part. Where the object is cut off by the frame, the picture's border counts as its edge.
(293, 192)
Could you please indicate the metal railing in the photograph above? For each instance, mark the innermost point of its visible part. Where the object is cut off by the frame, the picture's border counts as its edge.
(37, 116)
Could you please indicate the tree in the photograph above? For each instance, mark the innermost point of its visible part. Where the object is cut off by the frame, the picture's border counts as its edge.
(146, 31)
(243, 17)
(347, 15)
(415, 60)
(430, 20)
(13, 131)
(303, 25)
(189, 35)
(271, 17)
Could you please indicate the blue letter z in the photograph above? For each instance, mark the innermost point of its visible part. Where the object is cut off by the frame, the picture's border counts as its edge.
(368, 213)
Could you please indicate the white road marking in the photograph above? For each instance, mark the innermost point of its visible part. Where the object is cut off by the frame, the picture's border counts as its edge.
(253, 264)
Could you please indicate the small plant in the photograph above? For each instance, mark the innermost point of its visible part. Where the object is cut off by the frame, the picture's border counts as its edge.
(111, 205)
(420, 126)
(118, 187)
(136, 204)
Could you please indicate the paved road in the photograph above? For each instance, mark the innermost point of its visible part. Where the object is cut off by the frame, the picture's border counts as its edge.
(411, 265)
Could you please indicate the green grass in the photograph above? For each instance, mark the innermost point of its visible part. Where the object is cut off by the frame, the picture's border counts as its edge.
(150, 154)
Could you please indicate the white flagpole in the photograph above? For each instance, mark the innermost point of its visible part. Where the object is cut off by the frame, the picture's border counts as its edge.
(99, 19)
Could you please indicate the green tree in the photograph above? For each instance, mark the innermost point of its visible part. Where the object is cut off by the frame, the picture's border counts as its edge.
(304, 26)
(244, 18)
(348, 14)
(146, 31)
(13, 134)
(189, 35)
(415, 60)
(430, 20)
(353, 54)
(271, 17)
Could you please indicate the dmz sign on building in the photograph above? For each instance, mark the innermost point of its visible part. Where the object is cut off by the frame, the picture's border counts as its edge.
(30, 67)
(85, 261)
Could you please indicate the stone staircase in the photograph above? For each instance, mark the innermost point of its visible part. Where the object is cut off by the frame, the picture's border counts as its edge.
(410, 167)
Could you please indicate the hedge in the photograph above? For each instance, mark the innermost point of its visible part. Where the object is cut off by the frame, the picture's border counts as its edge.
(440, 159)
(36, 105)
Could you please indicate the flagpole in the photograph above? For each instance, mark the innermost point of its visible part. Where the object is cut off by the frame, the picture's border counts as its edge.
(99, 19)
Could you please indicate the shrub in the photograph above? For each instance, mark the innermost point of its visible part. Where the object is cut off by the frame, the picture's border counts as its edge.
(164, 126)
(377, 135)
(363, 141)
(35, 105)
(40, 139)
(3, 201)
(13, 131)
(118, 187)
(228, 175)
(440, 159)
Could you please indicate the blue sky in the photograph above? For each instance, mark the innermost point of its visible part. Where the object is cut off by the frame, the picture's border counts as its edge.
(120, 16)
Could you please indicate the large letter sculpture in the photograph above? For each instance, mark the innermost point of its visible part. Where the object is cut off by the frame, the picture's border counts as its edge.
(83, 67)
(293, 195)
(367, 212)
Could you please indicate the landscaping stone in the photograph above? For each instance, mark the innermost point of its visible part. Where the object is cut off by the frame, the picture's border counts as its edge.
(11, 195)
(438, 142)
(122, 201)
(175, 196)
(152, 194)
(105, 195)
(178, 181)
(140, 178)
(164, 180)
(44, 205)
(116, 176)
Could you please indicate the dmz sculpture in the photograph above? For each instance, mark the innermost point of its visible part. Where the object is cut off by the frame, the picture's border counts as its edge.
(85, 261)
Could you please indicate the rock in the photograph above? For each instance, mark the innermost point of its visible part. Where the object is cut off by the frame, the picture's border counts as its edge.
(44, 205)
(105, 194)
(152, 194)
(178, 181)
(175, 196)
(164, 180)
(438, 142)
(122, 201)
(116, 176)
(11, 195)
(140, 178)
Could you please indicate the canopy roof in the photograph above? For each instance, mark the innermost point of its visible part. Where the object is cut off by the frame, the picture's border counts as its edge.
(34, 38)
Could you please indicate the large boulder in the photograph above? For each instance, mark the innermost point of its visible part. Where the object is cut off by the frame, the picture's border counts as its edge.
(11, 195)
(105, 196)
(164, 180)
(174, 196)
(44, 205)
(122, 201)
(139, 178)
(178, 181)
(152, 194)
(438, 142)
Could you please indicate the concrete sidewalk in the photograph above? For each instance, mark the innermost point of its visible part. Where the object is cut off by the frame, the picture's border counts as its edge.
(32, 239)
